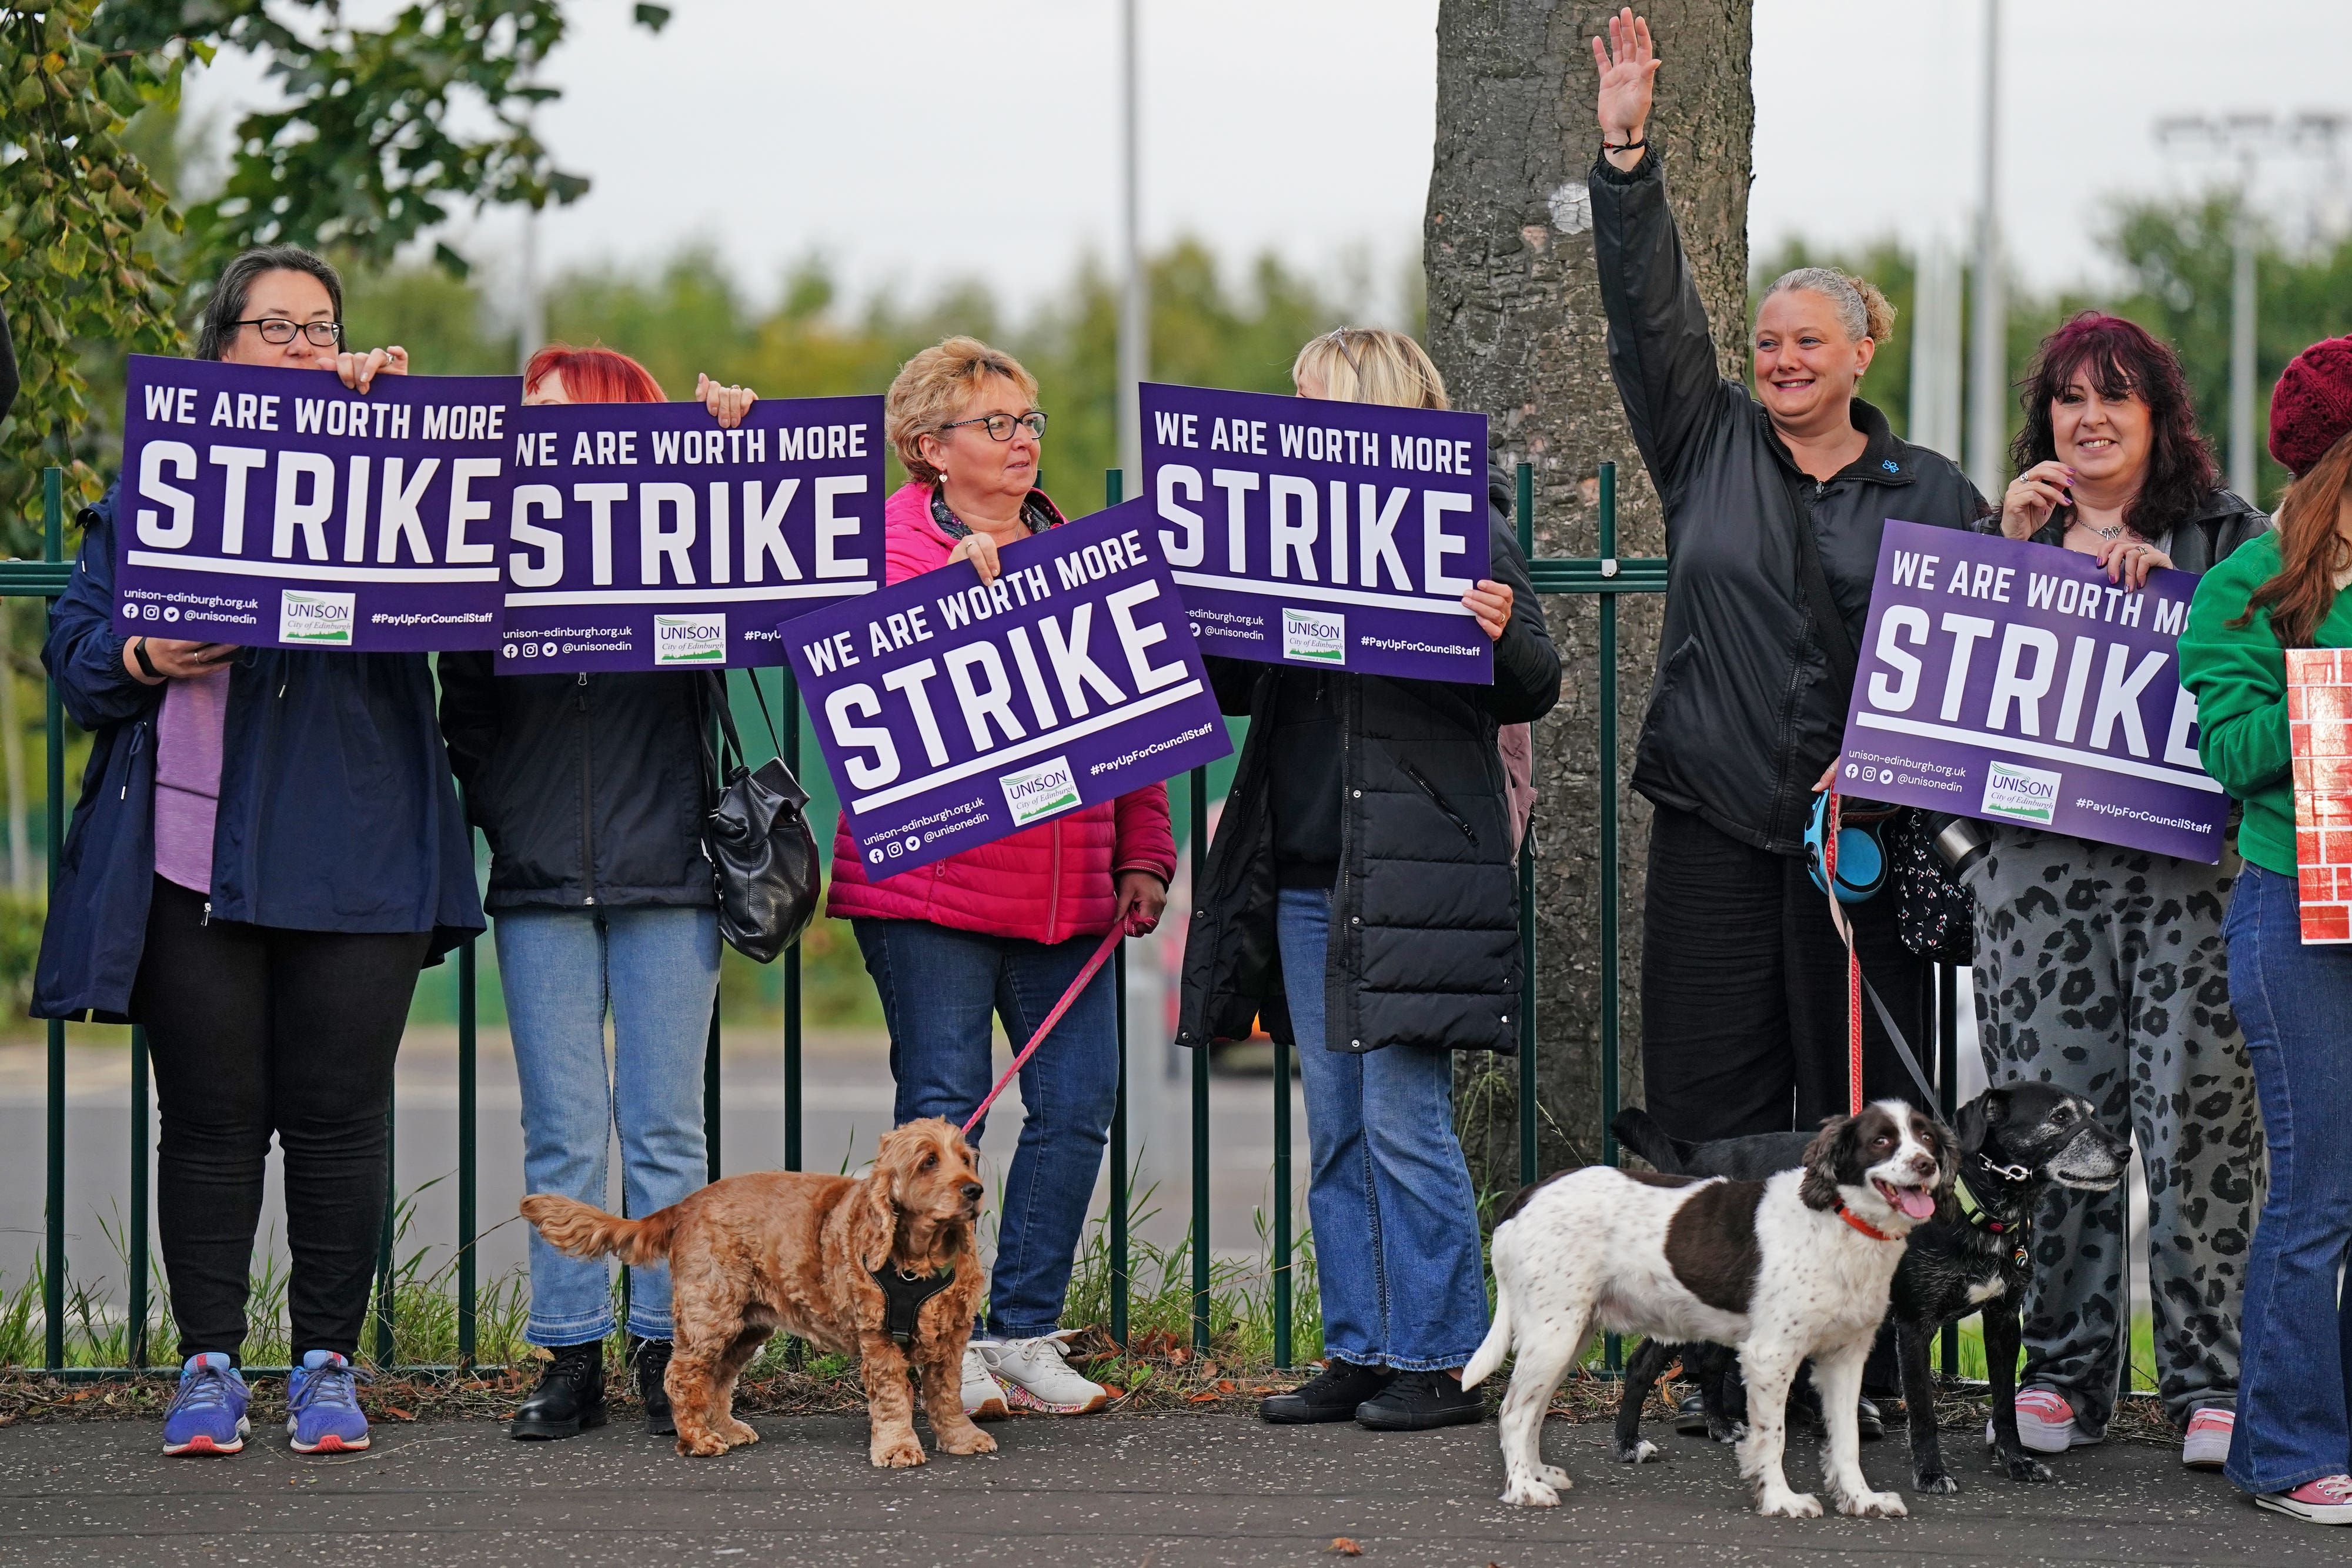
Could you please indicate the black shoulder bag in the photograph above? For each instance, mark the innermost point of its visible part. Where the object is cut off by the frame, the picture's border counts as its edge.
(757, 836)
(1935, 915)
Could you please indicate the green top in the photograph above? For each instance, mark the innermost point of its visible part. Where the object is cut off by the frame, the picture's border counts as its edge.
(2237, 676)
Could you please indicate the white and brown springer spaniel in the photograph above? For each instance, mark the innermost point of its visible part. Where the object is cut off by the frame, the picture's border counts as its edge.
(1794, 1267)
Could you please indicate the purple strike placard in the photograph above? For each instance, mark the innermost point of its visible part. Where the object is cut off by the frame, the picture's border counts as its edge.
(279, 508)
(1336, 533)
(643, 537)
(953, 714)
(2014, 683)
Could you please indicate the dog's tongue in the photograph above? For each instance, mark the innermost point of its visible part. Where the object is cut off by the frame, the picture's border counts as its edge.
(1916, 1201)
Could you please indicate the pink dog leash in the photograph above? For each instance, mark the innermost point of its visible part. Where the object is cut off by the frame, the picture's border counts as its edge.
(1094, 967)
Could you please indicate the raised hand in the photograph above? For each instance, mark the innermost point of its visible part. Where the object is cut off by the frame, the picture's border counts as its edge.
(1627, 66)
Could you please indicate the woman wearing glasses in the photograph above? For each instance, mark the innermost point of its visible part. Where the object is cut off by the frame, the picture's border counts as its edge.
(591, 793)
(1002, 929)
(267, 849)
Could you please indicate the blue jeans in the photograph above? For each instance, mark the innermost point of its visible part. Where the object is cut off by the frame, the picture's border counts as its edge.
(657, 972)
(1395, 1218)
(2295, 1004)
(940, 988)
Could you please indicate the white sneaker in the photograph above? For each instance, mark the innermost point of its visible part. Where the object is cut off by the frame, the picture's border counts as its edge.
(2206, 1445)
(1035, 1377)
(984, 1396)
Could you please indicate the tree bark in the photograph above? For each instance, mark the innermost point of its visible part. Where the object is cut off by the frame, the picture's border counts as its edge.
(1515, 327)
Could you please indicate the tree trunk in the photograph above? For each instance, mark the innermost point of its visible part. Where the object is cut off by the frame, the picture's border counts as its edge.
(1515, 327)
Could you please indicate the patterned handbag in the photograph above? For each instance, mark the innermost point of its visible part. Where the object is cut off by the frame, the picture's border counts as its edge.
(1936, 917)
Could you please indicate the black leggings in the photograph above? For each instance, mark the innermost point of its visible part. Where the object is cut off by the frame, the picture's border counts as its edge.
(1743, 990)
(254, 1030)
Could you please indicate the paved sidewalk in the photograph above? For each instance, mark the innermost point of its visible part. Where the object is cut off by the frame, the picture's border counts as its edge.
(1167, 1491)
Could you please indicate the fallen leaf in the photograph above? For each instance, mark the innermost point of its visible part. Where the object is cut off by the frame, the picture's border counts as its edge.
(1208, 1368)
(1224, 1386)
(1208, 1398)
(1179, 1357)
(395, 1410)
(1346, 1548)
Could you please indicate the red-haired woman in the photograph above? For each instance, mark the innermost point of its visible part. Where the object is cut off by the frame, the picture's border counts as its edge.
(2103, 968)
(2293, 1444)
(591, 792)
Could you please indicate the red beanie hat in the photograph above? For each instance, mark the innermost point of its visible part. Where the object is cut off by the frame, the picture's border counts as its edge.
(2311, 407)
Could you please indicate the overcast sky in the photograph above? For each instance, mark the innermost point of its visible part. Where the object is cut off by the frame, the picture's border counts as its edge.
(913, 141)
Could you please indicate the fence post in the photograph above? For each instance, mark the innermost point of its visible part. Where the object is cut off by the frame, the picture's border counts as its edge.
(1197, 810)
(788, 696)
(1530, 1120)
(135, 1258)
(383, 1302)
(1948, 1093)
(53, 1281)
(1613, 1350)
(1114, 492)
(468, 1024)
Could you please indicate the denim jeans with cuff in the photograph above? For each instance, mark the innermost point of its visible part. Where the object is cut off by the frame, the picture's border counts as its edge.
(940, 988)
(1395, 1218)
(2295, 1004)
(656, 970)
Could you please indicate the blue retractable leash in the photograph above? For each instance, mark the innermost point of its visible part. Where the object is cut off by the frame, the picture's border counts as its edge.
(1861, 858)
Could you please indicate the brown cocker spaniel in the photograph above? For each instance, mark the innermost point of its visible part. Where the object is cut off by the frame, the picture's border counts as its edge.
(882, 1267)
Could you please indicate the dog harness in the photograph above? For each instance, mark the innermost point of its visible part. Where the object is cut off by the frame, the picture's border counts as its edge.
(903, 1295)
(1865, 1227)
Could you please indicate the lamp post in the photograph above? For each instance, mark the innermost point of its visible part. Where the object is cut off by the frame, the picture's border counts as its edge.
(1989, 351)
(2245, 140)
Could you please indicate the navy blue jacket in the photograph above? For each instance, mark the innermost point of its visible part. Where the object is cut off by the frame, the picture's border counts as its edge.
(337, 808)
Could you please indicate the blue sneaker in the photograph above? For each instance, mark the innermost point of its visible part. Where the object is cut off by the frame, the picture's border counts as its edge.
(322, 1405)
(207, 1415)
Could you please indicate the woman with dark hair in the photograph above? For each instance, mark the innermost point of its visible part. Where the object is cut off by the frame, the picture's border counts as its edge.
(267, 849)
(591, 793)
(2293, 1450)
(2103, 968)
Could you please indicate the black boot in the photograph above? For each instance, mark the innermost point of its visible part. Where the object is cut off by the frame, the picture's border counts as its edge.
(651, 1358)
(1332, 1395)
(570, 1399)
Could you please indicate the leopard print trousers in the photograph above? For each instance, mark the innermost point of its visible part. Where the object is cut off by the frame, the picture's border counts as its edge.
(2103, 969)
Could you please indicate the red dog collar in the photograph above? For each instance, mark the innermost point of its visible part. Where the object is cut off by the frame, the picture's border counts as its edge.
(1865, 1227)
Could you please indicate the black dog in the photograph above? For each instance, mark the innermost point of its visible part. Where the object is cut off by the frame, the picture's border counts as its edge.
(2016, 1143)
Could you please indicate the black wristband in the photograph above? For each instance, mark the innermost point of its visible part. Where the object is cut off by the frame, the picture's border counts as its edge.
(1628, 147)
(139, 652)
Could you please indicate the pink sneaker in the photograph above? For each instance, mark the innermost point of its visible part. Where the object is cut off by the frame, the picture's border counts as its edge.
(2207, 1446)
(2045, 1422)
(2327, 1500)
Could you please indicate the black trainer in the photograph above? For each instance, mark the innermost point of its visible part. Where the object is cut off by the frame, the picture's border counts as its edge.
(1417, 1401)
(1867, 1419)
(570, 1399)
(651, 1358)
(1333, 1395)
(1690, 1416)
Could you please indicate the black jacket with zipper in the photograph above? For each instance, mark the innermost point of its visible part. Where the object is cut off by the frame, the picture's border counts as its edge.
(1425, 900)
(591, 790)
(1742, 716)
(2198, 543)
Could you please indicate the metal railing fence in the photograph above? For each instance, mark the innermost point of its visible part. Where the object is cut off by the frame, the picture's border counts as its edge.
(1605, 577)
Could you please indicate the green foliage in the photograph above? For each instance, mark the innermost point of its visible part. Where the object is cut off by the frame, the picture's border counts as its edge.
(76, 263)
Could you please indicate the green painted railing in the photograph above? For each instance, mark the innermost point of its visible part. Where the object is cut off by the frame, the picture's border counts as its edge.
(1605, 576)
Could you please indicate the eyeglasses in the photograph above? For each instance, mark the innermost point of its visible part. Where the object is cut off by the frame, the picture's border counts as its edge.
(278, 330)
(1000, 425)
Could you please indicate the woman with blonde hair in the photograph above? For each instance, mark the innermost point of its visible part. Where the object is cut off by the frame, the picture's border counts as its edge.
(2292, 1448)
(1361, 898)
(1002, 929)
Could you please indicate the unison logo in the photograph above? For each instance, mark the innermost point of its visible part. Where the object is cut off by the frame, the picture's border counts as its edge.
(1039, 791)
(1314, 634)
(691, 638)
(2020, 794)
(320, 620)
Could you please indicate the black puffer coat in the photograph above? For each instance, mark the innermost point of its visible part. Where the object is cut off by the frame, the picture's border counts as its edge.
(1424, 908)
(591, 789)
(1742, 716)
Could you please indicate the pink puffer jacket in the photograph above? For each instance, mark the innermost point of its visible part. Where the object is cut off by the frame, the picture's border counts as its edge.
(1046, 884)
